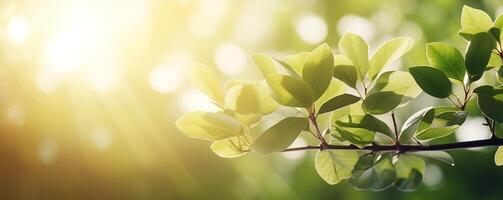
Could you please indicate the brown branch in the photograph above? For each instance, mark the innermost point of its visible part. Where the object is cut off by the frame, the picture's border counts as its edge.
(408, 147)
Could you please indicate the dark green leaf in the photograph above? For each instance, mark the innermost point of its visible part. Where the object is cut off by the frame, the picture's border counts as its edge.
(478, 55)
(346, 74)
(433, 81)
(490, 101)
(338, 102)
(375, 177)
(381, 102)
(367, 122)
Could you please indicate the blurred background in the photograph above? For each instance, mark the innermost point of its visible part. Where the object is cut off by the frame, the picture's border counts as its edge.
(90, 90)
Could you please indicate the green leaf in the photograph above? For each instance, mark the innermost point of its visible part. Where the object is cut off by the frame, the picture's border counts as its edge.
(357, 136)
(356, 49)
(494, 61)
(474, 21)
(388, 53)
(433, 81)
(335, 88)
(446, 58)
(478, 55)
(498, 157)
(409, 171)
(500, 75)
(338, 102)
(346, 74)
(230, 148)
(208, 126)
(367, 122)
(249, 99)
(381, 102)
(408, 127)
(289, 91)
(439, 122)
(318, 70)
(498, 23)
(294, 64)
(441, 156)
(278, 137)
(375, 177)
(334, 166)
(490, 101)
(495, 32)
(433, 133)
(205, 79)
(266, 64)
(401, 83)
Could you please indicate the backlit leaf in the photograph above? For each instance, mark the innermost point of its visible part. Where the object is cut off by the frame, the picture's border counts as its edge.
(318, 70)
(447, 58)
(278, 137)
(356, 49)
(388, 53)
(208, 126)
(289, 91)
(334, 166)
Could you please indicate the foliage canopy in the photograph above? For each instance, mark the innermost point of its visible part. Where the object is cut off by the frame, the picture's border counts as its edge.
(338, 102)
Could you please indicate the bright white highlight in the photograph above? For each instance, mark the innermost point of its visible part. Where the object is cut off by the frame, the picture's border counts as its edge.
(17, 29)
(356, 24)
(311, 29)
(230, 58)
(194, 100)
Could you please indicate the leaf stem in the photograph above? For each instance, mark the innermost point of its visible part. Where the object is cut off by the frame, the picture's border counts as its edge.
(397, 142)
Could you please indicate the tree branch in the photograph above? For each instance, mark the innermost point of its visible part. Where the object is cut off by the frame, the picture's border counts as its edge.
(408, 147)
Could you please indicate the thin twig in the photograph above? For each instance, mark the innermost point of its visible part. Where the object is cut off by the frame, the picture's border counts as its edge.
(408, 147)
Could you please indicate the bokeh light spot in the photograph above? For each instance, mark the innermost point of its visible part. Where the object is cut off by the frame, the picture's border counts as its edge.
(311, 29)
(18, 29)
(230, 58)
(356, 24)
(101, 138)
(48, 151)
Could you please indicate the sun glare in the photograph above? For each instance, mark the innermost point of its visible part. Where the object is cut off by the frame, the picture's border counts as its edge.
(18, 29)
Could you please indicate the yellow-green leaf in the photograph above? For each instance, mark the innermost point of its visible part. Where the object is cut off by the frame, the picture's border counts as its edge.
(249, 99)
(357, 50)
(388, 53)
(474, 21)
(318, 70)
(206, 79)
(266, 64)
(447, 58)
(334, 166)
(230, 148)
(208, 126)
(289, 91)
(498, 157)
